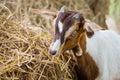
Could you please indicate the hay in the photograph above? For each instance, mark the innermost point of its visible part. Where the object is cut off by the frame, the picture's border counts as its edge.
(25, 38)
(24, 54)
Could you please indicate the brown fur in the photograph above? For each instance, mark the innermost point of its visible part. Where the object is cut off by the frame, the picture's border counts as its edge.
(86, 66)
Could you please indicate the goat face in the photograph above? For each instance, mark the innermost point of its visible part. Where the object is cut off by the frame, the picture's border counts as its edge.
(68, 27)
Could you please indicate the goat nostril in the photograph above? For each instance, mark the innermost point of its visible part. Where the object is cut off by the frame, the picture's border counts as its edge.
(52, 52)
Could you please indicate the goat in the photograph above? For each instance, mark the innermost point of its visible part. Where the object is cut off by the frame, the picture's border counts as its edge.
(97, 51)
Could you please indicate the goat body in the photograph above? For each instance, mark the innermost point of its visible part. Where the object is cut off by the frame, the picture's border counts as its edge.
(104, 48)
(100, 60)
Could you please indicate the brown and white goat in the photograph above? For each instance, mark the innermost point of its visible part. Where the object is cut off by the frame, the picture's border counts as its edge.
(97, 51)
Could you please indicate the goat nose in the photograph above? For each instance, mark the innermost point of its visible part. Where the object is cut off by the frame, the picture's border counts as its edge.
(52, 52)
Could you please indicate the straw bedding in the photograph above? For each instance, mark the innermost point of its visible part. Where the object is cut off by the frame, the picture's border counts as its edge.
(25, 39)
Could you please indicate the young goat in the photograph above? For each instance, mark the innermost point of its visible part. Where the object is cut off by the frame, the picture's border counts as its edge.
(97, 51)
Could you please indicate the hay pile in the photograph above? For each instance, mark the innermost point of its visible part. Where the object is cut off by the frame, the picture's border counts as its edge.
(24, 54)
(25, 38)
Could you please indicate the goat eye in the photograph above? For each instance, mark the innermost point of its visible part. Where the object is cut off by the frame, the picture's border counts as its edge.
(74, 33)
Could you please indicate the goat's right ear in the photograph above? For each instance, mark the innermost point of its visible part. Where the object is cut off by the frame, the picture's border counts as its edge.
(89, 31)
(62, 10)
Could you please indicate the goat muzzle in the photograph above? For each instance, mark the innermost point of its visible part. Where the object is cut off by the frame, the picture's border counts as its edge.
(52, 52)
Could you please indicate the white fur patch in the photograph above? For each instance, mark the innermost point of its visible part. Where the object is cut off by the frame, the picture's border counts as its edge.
(104, 48)
(55, 46)
(60, 26)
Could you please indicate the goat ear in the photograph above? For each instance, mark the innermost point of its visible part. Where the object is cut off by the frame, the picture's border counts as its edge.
(92, 25)
(62, 9)
(89, 31)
